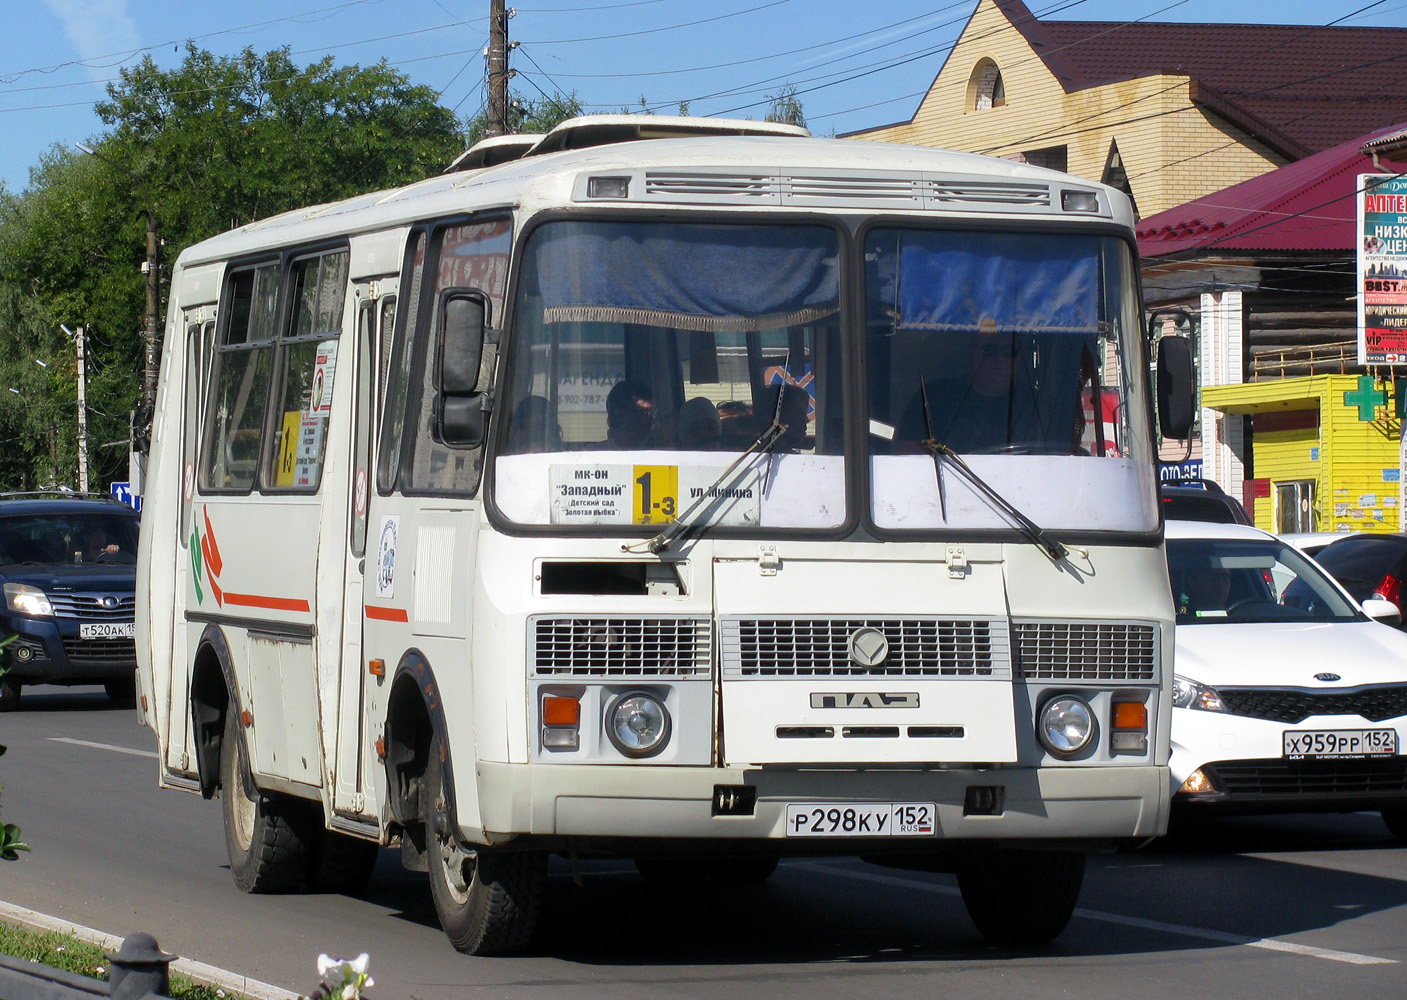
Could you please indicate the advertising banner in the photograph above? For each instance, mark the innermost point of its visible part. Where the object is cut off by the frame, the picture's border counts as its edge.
(1382, 269)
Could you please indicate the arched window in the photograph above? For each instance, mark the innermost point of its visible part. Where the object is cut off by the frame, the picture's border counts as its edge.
(985, 89)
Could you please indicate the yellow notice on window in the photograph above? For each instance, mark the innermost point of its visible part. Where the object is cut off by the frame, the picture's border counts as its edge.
(656, 494)
(288, 448)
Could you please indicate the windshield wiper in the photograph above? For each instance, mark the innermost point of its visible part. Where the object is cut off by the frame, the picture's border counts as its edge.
(761, 445)
(1029, 529)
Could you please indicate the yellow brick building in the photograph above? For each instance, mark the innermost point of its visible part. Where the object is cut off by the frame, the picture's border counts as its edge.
(1167, 112)
(1319, 466)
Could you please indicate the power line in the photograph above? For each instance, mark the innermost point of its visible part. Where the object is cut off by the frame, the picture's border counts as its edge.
(652, 31)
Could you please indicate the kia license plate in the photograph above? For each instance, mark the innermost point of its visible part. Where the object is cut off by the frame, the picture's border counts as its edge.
(1339, 744)
(861, 819)
(107, 630)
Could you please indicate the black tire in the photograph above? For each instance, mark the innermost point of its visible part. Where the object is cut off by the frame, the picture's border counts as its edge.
(267, 836)
(1396, 819)
(1021, 897)
(9, 694)
(487, 901)
(340, 863)
(122, 691)
(692, 871)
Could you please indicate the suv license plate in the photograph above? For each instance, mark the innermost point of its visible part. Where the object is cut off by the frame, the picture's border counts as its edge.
(107, 630)
(860, 819)
(1338, 744)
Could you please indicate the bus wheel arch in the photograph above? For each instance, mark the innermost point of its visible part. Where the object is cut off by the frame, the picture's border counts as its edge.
(213, 690)
(413, 717)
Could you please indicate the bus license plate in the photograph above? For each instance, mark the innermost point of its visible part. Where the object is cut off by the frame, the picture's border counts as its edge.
(860, 819)
(107, 630)
(1339, 744)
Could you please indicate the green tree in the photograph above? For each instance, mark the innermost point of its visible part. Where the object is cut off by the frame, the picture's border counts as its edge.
(218, 142)
(786, 107)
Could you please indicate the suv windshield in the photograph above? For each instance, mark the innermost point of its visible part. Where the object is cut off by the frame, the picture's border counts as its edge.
(67, 538)
(1220, 580)
(647, 357)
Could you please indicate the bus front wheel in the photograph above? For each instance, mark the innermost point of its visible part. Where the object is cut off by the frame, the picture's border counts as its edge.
(1021, 897)
(487, 901)
(267, 835)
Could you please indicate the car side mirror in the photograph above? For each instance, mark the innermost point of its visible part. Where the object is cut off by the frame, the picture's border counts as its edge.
(459, 408)
(1176, 387)
(1382, 611)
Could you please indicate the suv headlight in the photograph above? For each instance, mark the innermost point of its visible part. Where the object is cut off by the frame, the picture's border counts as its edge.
(27, 600)
(1188, 693)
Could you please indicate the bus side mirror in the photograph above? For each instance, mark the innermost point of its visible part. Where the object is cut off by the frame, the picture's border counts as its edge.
(1176, 390)
(459, 408)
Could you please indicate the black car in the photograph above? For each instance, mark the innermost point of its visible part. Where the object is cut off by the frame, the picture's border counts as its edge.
(1201, 500)
(68, 572)
(1369, 564)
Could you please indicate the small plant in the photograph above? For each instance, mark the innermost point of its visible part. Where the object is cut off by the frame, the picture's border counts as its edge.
(10, 843)
(343, 978)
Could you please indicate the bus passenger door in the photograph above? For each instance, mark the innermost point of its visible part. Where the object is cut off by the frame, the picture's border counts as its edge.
(199, 330)
(376, 310)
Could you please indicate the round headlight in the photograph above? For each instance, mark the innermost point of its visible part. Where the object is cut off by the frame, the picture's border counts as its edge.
(1065, 726)
(638, 724)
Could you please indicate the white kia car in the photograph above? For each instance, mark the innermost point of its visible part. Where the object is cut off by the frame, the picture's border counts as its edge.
(1288, 696)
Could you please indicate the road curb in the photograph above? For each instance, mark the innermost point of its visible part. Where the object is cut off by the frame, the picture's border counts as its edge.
(197, 972)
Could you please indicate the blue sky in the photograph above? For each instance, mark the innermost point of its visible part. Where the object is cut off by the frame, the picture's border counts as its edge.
(867, 62)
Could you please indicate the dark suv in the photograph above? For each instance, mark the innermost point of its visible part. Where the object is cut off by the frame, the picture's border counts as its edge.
(68, 571)
(1201, 500)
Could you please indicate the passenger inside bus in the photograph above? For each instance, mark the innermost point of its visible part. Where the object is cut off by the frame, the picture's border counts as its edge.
(700, 427)
(737, 427)
(630, 415)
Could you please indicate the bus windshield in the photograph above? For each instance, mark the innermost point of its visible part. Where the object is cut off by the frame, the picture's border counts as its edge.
(647, 357)
(996, 345)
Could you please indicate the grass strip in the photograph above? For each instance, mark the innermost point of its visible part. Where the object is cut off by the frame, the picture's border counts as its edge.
(67, 952)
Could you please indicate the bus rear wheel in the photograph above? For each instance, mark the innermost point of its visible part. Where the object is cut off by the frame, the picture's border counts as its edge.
(487, 901)
(267, 836)
(1021, 897)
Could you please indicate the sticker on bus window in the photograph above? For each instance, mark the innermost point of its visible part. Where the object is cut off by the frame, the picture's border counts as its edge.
(653, 494)
(324, 367)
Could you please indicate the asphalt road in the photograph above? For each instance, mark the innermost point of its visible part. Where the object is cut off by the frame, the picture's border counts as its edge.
(1277, 907)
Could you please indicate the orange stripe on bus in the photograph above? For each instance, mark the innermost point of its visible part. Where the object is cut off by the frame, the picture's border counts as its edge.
(386, 614)
(271, 603)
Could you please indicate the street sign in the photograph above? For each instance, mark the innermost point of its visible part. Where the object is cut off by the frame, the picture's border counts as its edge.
(123, 492)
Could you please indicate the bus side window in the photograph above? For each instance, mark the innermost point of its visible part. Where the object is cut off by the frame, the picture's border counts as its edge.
(307, 372)
(229, 455)
(396, 354)
(471, 256)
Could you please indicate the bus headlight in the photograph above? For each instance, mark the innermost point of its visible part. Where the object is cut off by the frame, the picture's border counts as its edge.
(637, 724)
(1065, 725)
(27, 600)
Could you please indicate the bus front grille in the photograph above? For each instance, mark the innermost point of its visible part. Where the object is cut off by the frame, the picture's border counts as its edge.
(821, 647)
(604, 646)
(1087, 651)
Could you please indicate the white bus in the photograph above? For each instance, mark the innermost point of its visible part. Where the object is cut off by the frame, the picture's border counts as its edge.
(689, 491)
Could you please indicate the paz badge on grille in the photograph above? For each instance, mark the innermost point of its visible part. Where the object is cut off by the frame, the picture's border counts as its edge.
(868, 647)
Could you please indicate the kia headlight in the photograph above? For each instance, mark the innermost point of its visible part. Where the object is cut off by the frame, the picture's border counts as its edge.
(26, 600)
(1187, 693)
(637, 724)
(1065, 726)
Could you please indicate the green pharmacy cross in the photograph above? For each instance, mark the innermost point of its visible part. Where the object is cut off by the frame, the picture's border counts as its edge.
(1366, 397)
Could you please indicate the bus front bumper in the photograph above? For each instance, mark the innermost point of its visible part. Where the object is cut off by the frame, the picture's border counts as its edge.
(609, 803)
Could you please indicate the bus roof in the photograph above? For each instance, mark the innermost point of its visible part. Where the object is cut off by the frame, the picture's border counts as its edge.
(714, 172)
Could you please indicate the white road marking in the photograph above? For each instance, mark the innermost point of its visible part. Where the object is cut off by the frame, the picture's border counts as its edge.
(1206, 934)
(197, 972)
(103, 746)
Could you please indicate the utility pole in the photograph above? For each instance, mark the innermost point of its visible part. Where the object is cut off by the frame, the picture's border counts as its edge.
(78, 340)
(498, 72)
